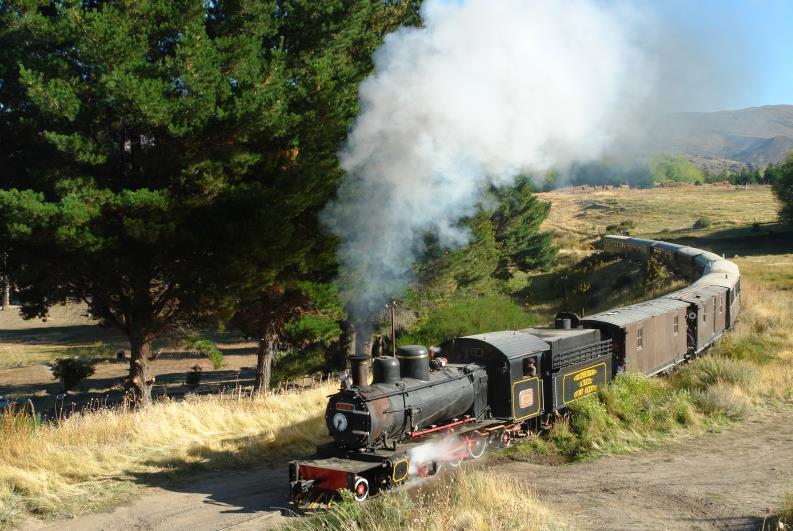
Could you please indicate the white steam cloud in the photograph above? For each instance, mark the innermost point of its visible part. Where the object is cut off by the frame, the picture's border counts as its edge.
(486, 90)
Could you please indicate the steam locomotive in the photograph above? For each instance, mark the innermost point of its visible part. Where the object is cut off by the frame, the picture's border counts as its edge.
(419, 414)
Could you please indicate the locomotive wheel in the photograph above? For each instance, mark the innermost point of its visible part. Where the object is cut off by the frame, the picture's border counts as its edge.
(360, 489)
(456, 462)
(505, 439)
(433, 468)
(429, 469)
(460, 452)
(478, 447)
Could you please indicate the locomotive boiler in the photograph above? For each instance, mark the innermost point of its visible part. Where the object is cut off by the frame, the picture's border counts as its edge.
(404, 397)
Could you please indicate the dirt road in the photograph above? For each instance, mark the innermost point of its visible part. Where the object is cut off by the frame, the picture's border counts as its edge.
(236, 500)
(727, 480)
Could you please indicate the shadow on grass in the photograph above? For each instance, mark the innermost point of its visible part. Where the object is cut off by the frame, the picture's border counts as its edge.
(62, 335)
(767, 239)
(251, 478)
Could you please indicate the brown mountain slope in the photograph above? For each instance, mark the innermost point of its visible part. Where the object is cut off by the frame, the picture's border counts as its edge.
(755, 136)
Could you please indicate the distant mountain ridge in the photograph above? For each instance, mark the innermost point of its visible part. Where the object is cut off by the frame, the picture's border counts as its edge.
(733, 140)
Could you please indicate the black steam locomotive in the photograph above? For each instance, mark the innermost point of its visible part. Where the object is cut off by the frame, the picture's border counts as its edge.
(420, 413)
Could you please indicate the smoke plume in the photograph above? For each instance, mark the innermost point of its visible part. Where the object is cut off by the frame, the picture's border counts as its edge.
(483, 92)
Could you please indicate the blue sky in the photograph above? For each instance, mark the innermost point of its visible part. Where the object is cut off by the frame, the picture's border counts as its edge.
(743, 50)
(753, 37)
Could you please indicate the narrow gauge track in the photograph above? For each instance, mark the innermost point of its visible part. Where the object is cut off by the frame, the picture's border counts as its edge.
(423, 412)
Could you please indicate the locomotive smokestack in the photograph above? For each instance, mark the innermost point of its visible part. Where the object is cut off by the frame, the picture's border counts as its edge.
(359, 366)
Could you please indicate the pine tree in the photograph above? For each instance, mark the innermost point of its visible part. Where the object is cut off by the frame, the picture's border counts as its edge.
(161, 157)
(517, 222)
(783, 187)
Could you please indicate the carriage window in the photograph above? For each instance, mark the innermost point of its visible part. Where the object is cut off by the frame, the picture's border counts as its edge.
(704, 313)
(529, 367)
(721, 306)
(640, 339)
(677, 324)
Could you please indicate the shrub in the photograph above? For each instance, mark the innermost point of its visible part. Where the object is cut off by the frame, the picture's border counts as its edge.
(711, 370)
(208, 348)
(298, 363)
(71, 371)
(786, 516)
(723, 399)
(654, 271)
(623, 227)
(469, 314)
(630, 412)
(193, 377)
(701, 223)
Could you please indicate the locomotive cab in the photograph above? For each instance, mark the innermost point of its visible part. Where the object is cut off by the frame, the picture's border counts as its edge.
(507, 356)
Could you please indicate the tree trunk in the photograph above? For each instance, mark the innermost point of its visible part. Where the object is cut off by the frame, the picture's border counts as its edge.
(345, 346)
(264, 366)
(6, 287)
(5, 284)
(141, 377)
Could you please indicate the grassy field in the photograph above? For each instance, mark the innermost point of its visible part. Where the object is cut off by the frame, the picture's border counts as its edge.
(92, 460)
(578, 215)
(67, 331)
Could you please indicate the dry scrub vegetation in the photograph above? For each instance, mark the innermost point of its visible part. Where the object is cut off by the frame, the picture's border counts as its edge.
(90, 460)
(466, 499)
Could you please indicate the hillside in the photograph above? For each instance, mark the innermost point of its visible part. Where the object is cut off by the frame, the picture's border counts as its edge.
(727, 139)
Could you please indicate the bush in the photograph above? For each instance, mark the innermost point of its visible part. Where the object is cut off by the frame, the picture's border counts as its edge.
(711, 370)
(469, 314)
(623, 228)
(722, 399)
(298, 363)
(654, 271)
(786, 516)
(208, 348)
(71, 371)
(701, 223)
(783, 188)
(193, 377)
(630, 412)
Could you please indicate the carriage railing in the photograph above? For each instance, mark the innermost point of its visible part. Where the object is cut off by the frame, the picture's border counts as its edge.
(572, 357)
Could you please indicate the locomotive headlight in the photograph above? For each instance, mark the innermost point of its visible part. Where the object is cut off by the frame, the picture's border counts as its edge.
(340, 422)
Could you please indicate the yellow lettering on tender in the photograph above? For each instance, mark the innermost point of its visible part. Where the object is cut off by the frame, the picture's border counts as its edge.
(589, 389)
(588, 373)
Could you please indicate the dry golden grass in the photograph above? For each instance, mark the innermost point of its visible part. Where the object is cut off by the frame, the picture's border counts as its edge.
(577, 213)
(466, 499)
(754, 363)
(88, 460)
